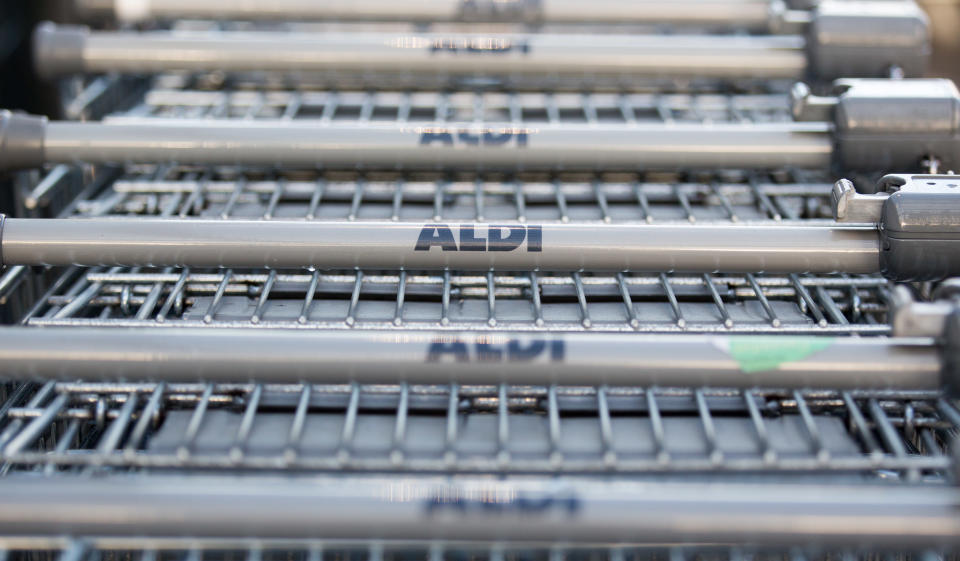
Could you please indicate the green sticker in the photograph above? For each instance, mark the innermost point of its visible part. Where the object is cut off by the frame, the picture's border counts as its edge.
(757, 354)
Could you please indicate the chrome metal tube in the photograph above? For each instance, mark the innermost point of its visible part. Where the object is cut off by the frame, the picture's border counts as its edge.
(744, 14)
(438, 146)
(482, 509)
(750, 14)
(499, 55)
(762, 247)
(174, 354)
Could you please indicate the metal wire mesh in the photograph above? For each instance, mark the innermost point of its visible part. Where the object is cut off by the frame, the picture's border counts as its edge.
(574, 302)
(385, 300)
(503, 428)
(519, 24)
(184, 191)
(174, 98)
(752, 303)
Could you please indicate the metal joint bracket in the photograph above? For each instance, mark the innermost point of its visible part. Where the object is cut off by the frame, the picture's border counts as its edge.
(909, 318)
(939, 320)
(807, 107)
(783, 18)
(850, 206)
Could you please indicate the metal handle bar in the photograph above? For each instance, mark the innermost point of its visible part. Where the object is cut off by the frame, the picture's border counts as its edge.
(762, 247)
(742, 14)
(861, 128)
(425, 357)
(874, 38)
(570, 510)
(420, 146)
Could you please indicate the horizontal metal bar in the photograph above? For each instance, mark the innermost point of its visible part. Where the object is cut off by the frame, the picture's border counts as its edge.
(573, 326)
(572, 510)
(104, 545)
(442, 145)
(648, 106)
(68, 50)
(760, 247)
(748, 14)
(621, 191)
(772, 285)
(295, 356)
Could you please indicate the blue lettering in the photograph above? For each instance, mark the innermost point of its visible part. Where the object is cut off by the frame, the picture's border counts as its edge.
(523, 503)
(440, 349)
(512, 241)
(534, 239)
(430, 137)
(439, 235)
(499, 238)
(469, 242)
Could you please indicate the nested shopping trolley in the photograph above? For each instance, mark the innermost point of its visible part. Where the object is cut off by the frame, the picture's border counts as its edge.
(840, 39)
(309, 323)
(754, 15)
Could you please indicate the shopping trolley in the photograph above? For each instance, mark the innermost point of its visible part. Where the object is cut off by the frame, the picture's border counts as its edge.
(843, 39)
(444, 409)
(742, 14)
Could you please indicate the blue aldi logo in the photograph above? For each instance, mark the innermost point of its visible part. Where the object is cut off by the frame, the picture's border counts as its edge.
(492, 137)
(470, 237)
